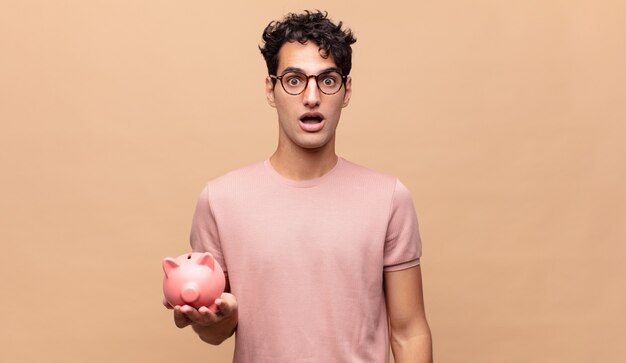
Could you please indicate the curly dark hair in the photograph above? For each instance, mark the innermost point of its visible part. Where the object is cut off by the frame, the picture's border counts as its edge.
(310, 25)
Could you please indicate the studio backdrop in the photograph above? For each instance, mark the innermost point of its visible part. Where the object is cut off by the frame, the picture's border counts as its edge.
(505, 119)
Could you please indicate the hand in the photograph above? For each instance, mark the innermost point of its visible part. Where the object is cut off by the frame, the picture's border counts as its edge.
(225, 307)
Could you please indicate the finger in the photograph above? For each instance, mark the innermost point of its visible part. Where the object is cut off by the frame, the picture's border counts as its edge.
(214, 308)
(167, 305)
(203, 310)
(219, 308)
(181, 319)
(202, 316)
(227, 304)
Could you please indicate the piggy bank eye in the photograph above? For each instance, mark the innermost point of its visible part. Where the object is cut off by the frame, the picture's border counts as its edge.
(189, 257)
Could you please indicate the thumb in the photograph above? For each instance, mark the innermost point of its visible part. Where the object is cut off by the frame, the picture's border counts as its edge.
(227, 304)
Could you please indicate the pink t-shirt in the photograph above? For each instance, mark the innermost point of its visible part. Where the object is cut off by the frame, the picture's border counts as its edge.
(305, 259)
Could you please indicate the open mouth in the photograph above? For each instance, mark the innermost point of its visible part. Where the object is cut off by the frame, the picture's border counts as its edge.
(309, 119)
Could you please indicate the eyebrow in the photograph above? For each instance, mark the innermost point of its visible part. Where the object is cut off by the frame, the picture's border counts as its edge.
(296, 69)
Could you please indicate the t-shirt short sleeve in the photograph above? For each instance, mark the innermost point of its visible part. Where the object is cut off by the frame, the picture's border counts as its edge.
(204, 236)
(403, 246)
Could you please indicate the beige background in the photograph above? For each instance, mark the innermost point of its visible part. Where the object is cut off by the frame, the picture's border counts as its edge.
(506, 120)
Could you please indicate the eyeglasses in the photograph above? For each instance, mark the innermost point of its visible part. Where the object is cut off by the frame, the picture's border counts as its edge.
(295, 83)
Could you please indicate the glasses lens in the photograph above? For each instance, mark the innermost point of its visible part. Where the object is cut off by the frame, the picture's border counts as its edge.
(329, 82)
(294, 82)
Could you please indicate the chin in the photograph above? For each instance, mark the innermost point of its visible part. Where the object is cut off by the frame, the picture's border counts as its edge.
(312, 145)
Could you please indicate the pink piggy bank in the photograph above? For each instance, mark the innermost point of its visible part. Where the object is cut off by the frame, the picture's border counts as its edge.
(194, 279)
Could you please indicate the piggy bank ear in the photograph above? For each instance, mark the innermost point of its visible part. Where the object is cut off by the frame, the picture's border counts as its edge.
(207, 260)
(168, 265)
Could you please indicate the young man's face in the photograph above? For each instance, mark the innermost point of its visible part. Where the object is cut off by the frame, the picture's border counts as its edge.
(307, 120)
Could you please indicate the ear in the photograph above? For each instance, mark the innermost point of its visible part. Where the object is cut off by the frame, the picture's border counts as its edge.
(207, 260)
(269, 91)
(348, 93)
(168, 265)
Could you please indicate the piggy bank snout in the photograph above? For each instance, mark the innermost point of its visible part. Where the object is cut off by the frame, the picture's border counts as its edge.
(190, 292)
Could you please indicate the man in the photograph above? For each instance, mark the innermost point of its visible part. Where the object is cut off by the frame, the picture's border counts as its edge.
(321, 255)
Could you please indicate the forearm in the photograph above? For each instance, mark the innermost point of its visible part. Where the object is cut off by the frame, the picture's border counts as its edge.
(411, 340)
(216, 333)
(412, 349)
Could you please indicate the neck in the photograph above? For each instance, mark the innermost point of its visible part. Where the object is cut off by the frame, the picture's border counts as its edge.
(302, 164)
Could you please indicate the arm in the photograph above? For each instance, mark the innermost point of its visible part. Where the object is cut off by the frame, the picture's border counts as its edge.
(410, 335)
(212, 328)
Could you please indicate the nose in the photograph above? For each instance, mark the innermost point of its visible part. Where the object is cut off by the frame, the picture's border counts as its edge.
(311, 95)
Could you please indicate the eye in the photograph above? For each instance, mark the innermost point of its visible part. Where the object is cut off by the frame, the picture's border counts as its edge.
(329, 80)
(293, 80)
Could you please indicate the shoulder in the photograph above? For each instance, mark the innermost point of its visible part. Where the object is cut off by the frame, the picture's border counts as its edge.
(365, 176)
(368, 180)
(231, 183)
(362, 172)
(245, 174)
